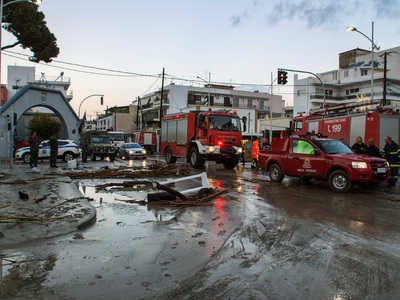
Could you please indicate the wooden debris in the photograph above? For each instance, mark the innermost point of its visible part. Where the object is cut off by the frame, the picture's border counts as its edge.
(165, 196)
(123, 184)
(44, 197)
(129, 172)
(170, 190)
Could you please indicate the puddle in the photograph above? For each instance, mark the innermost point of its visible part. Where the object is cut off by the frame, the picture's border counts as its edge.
(112, 208)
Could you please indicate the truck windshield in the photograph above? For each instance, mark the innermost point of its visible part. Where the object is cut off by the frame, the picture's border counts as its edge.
(100, 140)
(333, 147)
(224, 123)
(116, 136)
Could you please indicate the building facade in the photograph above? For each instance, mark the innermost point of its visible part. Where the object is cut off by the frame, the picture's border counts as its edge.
(352, 81)
(19, 76)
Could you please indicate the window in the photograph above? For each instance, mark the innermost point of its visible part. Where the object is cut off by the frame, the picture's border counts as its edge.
(346, 73)
(249, 103)
(301, 92)
(298, 126)
(364, 72)
(236, 102)
(352, 91)
(261, 105)
(302, 147)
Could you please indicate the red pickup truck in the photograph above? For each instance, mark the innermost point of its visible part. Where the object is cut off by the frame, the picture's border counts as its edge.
(325, 159)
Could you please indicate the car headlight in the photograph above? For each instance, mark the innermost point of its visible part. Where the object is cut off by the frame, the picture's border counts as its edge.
(211, 149)
(131, 152)
(144, 151)
(359, 165)
(240, 150)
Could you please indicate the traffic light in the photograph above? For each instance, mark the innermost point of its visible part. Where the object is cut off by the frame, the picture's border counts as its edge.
(279, 77)
(282, 77)
(101, 100)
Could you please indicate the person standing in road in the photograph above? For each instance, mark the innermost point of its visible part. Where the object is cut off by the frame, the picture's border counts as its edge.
(305, 148)
(372, 149)
(359, 147)
(254, 152)
(53, 143)
(391, 152)
(34, 143)
(85, 150)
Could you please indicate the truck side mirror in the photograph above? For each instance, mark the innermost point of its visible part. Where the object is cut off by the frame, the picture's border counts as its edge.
(200, 122)
(317, 152)
(244, 120)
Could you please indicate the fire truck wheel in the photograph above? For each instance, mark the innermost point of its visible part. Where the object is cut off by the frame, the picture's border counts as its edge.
(275, 173)
(339, 181)
(170, 159)
(230, 163)
(195, 159)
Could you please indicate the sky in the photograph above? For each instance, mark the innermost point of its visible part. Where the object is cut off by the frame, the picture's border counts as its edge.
(238, 42)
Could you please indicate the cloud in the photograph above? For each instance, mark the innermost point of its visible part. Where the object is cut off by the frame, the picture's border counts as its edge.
(323, 13)
(387, 8)
(237, 20)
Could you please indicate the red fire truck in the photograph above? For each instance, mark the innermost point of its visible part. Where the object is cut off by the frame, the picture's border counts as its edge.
(348, 121)
(202, 135)
(148, 140)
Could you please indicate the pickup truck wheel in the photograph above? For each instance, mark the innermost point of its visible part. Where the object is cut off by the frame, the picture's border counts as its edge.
(339, 181)
(169, 158)
(230, 163)
(275, 173)
(26, 158)
(195, 159)
(93, 156)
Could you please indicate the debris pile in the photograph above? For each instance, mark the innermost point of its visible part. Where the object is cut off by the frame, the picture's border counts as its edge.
(129, 172)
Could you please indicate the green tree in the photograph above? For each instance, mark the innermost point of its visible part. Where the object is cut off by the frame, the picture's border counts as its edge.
(27, 24)
(43, 125)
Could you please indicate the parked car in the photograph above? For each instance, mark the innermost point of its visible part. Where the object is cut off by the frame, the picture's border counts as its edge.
(67, 150)
(132, 150)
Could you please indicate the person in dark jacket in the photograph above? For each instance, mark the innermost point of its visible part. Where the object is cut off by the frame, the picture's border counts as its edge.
(372, 149)
(359, 147)
(53, 143)
(34, 143)
(391, 152)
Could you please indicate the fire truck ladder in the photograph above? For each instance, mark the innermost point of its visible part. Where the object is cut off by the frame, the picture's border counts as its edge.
(341, 108)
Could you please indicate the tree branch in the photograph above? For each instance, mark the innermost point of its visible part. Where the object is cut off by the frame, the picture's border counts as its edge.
(11, 46)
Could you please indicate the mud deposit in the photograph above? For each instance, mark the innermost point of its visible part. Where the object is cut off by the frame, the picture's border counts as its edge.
(259, 241)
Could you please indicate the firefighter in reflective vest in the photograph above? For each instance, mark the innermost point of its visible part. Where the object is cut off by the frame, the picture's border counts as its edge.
(391, 152)
(254, 152)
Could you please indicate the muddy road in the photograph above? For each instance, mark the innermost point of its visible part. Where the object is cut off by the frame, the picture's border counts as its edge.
(261, 240)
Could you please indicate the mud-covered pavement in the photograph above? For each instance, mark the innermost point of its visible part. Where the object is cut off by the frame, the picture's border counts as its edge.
(261, 240)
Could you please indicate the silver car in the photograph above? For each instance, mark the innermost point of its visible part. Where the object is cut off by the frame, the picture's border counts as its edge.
(132, 150)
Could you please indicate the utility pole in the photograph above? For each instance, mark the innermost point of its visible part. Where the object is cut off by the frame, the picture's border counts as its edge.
(384, 78)
(162, 97)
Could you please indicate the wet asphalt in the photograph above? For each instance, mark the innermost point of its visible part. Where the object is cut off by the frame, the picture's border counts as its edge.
(261, 240)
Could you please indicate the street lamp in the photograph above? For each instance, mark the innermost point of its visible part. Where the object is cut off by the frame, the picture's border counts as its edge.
(101, 102)
(209, 87)
(373, 47)
(1, 21)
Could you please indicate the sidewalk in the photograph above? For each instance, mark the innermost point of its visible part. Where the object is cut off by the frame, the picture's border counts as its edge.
(51, 195)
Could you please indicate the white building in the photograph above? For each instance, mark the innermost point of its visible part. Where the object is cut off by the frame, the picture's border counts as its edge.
(19, 76)
(351, 82)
